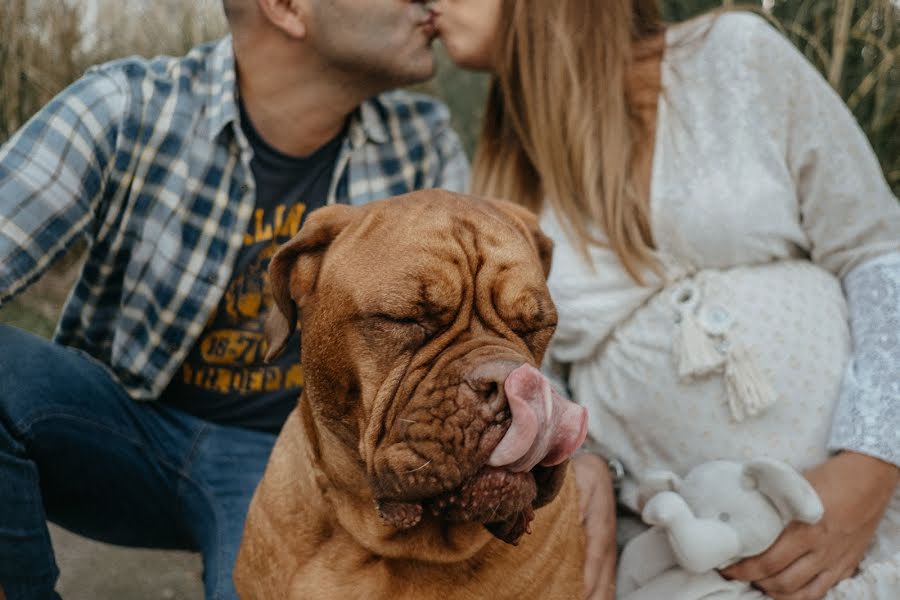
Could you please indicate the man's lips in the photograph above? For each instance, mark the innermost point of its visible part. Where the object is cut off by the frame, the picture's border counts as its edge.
(427, 24)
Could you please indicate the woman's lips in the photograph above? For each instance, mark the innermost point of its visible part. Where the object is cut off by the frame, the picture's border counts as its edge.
(428, 24)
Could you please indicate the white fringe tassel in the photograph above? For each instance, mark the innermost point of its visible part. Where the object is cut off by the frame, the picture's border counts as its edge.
(749, 392)
(697, 355)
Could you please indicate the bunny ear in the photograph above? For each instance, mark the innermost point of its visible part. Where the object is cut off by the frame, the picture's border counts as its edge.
(297, 261)
(654, 481)
(790, 492)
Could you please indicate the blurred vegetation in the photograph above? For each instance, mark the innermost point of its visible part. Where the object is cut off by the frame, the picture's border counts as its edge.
(46, 44)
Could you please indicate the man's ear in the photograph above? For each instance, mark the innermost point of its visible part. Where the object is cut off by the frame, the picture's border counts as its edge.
(290, 16)
(543, 244)
(297, 262)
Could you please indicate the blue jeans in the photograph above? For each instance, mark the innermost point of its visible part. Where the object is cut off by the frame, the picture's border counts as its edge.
(75, 449)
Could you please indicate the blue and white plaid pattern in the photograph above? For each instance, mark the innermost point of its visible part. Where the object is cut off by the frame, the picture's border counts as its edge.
(147, 160)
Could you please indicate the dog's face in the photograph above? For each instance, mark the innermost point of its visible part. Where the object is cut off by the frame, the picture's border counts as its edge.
(423, 318)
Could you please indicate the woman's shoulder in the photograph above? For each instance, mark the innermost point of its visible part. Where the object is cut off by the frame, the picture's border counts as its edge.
(739, 35)
(718, 47)
(733, 23)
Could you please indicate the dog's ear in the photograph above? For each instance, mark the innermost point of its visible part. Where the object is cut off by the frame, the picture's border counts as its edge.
(297, 261)
(543, 244)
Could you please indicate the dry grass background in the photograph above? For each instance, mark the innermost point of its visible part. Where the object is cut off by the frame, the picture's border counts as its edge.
(46, 44)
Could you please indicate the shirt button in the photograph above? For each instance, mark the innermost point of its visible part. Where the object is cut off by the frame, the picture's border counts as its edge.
(716, 320)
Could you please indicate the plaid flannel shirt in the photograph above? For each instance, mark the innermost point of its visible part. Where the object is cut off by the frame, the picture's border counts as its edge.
(146, 159)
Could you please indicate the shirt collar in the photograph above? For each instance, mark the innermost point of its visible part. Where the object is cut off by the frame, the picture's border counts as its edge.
(370, 116)
(222, 106)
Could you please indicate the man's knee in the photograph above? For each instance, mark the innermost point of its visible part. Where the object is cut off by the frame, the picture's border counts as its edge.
(22, 354)
(39, 377)
(18, 349)
(24, 359)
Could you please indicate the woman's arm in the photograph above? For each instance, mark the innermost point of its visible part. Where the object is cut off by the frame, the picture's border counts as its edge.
(867, 416)
(596, 477)
(857, 484)
(852, 221)
(597, 503)
(808, 560)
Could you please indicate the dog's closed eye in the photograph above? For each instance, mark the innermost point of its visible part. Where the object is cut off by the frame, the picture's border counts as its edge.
(412, 329)
(526, 330)
(534, 329)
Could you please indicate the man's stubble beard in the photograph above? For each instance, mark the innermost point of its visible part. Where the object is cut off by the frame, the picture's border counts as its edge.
(376, 76)
(373, 47)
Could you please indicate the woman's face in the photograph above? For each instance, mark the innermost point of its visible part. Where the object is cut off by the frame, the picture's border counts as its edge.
(468, 29)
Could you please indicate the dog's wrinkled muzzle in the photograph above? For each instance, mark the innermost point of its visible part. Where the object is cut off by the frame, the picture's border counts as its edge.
(523, 470)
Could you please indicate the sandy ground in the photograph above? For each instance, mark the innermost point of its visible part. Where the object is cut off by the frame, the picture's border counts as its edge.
(95, 571)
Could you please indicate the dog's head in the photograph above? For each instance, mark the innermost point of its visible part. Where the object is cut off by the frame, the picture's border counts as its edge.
(424, 317)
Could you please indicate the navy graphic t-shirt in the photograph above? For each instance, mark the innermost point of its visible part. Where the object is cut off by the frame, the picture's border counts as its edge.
(224, 379)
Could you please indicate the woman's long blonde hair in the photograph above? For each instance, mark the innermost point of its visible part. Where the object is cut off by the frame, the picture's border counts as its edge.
(562, 124)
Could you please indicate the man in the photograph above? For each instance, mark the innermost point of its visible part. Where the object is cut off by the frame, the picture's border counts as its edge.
(184, 175)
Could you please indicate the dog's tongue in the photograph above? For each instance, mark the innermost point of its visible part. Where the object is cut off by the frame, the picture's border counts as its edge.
(546, 428)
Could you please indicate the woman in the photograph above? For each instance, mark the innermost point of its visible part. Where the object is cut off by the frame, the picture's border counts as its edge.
(708, 195)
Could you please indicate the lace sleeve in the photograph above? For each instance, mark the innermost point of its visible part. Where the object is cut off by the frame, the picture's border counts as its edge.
(867, 416)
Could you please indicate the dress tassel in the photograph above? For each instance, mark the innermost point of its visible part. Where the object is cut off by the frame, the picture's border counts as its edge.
(749, 392)
(697, 355)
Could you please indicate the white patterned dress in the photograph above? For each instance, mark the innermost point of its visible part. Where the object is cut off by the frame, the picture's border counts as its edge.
(766, 197)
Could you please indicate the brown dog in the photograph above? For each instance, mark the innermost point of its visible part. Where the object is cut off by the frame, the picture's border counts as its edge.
(424, 437)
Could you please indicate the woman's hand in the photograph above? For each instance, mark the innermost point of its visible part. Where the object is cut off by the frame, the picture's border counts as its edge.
(598, 517)
(808, 560)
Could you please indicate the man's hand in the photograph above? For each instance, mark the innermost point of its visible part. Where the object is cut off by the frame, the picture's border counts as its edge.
(598, 516)
(808, 560)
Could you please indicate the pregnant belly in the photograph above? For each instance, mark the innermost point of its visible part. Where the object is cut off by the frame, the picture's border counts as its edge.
(789, 319)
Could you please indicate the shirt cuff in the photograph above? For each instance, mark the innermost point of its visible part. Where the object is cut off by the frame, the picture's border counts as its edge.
(867, 415)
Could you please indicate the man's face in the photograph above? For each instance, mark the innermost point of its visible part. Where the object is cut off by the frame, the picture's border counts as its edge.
(386, 41)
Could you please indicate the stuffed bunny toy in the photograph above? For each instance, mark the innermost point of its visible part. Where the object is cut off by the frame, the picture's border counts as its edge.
(721, 512)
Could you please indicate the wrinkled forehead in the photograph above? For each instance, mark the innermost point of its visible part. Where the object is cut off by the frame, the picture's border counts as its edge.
(431, 253)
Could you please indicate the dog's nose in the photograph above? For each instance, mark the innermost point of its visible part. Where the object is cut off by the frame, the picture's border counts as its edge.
(486, 382)
(486, 389)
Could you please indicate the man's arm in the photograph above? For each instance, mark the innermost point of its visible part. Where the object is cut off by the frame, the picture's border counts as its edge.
(53, 176)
